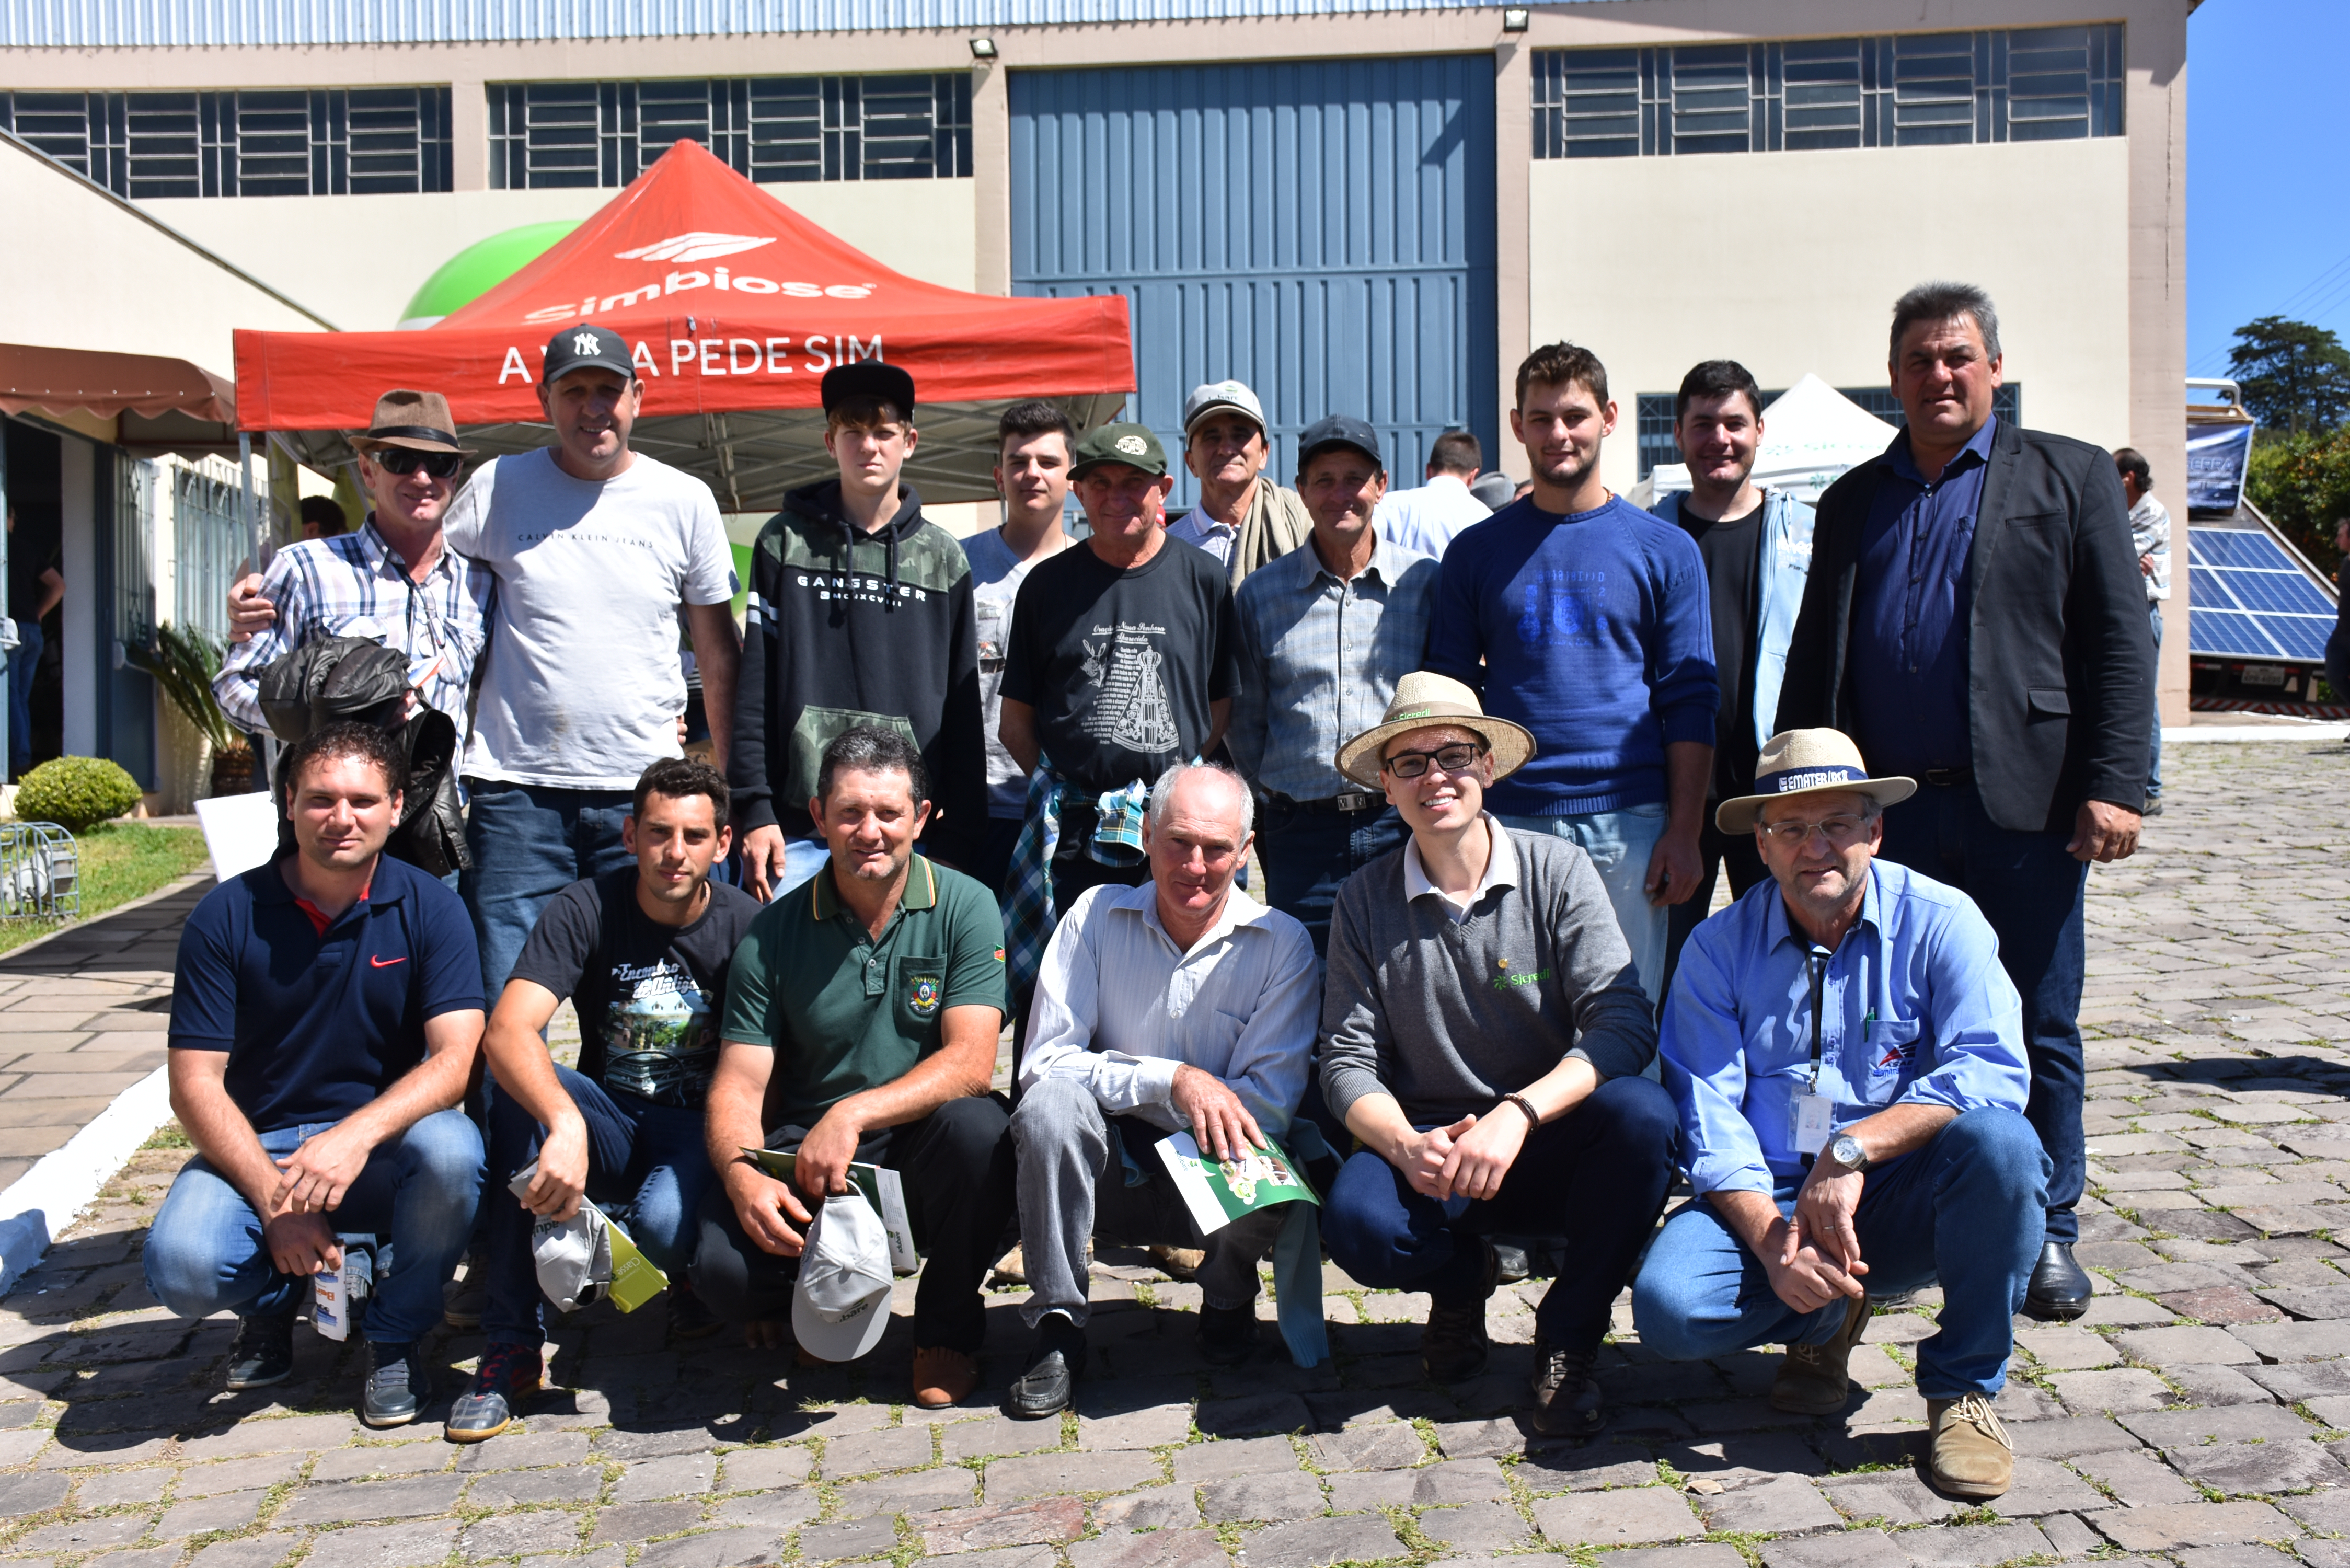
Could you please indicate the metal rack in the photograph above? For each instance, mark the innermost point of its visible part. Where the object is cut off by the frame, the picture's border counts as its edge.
(40, 872)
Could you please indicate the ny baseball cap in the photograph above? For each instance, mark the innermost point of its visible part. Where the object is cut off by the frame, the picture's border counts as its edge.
(1339, 429)
(582, 347)
(888, 384)
(1207, 398)
(1131, 444)
(840, 1307)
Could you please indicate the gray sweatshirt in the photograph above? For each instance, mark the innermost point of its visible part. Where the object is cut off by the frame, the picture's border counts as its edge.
(1448, 1017)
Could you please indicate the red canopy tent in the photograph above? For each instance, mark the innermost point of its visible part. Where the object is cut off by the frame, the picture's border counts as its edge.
(735, 306)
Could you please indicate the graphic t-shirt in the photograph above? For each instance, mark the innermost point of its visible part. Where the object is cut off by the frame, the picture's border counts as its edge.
(648, 996)
(996, 575)
(1732, 551)
(1121, 666)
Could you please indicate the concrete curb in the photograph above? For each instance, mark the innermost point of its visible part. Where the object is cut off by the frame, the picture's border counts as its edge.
(2302, 730)
(45, 1199)
(177, 885)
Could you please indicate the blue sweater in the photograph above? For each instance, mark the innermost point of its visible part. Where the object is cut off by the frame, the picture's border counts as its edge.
(1595, 634)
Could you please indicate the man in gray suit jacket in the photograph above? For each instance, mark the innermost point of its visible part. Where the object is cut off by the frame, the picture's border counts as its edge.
(1976, 620)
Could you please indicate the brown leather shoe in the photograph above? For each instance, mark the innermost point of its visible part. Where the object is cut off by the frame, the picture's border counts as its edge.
(1974, 1456)
(1813, 1379)
(1179, 1263)
(943, 1378)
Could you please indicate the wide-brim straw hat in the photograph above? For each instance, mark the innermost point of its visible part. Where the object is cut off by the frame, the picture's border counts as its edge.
(1797, 763)
(417, 420)
(1423, 700)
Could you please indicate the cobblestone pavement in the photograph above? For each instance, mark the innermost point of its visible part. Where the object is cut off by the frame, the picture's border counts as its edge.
(2200, 1417)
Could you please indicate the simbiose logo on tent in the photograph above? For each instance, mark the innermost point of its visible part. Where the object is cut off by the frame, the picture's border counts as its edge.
(713, 356)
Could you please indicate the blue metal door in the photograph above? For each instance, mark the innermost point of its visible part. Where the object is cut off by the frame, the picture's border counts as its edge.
(1322, 230)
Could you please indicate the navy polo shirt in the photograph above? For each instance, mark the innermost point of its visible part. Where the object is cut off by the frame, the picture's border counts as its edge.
(317, 1023)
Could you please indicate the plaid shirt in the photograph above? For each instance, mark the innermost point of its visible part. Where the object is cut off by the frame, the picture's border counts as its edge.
(354, 585)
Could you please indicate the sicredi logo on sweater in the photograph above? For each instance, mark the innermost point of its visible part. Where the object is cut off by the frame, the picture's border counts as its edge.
(1511, 979)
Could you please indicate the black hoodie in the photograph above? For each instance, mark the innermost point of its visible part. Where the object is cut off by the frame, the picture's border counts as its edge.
(848, 627)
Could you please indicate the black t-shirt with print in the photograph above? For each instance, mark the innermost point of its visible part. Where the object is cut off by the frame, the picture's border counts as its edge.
(1121, 666)
(648, 996)
(1732, 550)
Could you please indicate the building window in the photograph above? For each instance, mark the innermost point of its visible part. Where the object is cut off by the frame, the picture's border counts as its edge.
(210, 542)
(775, 130)
(318, 141)
(1923, 89)
(1653, 416)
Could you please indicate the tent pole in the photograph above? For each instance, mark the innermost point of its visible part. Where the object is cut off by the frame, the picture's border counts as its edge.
(245, 472)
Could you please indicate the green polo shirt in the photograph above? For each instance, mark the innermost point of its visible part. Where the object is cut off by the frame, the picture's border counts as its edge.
(844, 1012)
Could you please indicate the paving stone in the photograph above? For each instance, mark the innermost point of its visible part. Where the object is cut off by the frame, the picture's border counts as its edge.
(24, 1494)
(1162, 1549)
(85, 1534)
(747, 1467)
(1973, 1545)
(2274, 1466)
(102, 1491)
(259, 1437)
(1477, 1527)
(1153, 1508)
(2166, 1527)
(1382, 1448)
(2294, 1341)
(1264, 1413)
(2211, 1384)
(1454, 1481)
(678, 1475)
(202, 1515)
(2327, 1301)
(1897, 1497)
(774, 1512)
(999, 1435)
(2043, 1487)
(2117, 1390)
(948, 1531)
(1478, 1440)
(2159, 1346)
(634, 1522)
(1040, 1475)
(637, 1445)
(239, 1475)
(1782, 1505)
(416, 1544)
(1706, 1554)
(1554, 1467)
(145, 1557)
(2069, 1537)
(891, 1448)
(1846, 1549)
(380, 1463)
(2224, 1423)
(2302, 1380)
(2137, 1478)
(515, 1534)
(265, 1550)
(2067, 1349)
(517, 1488)
(1266, 1497)
(2246, 1556)
(1633, 1516)
(345, 1502)
(715, 1549)
(1215, 1461)
(948, 1486)
(858, 1538)
(1151, 1426)
(1317, 1543)
(522, 1450)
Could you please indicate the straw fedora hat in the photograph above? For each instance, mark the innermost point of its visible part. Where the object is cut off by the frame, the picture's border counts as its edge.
(418, 420)
(1797, 763)
(1423, 701)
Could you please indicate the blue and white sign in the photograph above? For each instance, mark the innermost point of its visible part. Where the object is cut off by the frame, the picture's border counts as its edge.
(2215, 459)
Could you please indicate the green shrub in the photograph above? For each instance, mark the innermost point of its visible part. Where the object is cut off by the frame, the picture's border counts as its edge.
(75, 792)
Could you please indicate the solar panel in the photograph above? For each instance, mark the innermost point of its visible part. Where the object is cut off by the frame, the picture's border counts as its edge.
(2253, 600)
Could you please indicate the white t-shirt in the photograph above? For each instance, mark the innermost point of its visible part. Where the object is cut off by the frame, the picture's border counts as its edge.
(995, 578)
(580, 685)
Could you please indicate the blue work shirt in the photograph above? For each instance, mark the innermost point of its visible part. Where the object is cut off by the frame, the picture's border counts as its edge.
(1912, 601)
(1914, 1008)
(319, 1019)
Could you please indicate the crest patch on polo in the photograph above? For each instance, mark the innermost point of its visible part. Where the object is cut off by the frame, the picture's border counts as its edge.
(922, 994)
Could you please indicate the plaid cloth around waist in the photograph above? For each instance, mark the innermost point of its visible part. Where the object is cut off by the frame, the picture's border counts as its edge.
(1116, 840)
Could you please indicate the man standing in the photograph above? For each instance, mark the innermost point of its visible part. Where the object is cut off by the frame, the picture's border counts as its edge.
(1757, 549)
(1244, 519)
(594, 547)
(641, 953)
(1975, 620)
(1326, 632)
(2149, 523)
(1428, 519)
(860, 613)
(324, 1020)
(1485, 1041)
(1584, 619)
(1032, 475)
(393, 580)
(1180, 1005)
(1847, 1059)
(862, 1012)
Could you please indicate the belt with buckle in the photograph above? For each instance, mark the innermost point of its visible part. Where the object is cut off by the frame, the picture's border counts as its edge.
(1346, 805)
(1946, 778)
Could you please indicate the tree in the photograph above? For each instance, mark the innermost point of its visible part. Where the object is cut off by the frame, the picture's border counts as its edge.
(2295, 377)
(2302, 483)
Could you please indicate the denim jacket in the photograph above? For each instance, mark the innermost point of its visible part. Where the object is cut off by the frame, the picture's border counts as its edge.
(1786, 563)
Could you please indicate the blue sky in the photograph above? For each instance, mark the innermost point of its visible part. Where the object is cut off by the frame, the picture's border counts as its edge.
(2268, 231)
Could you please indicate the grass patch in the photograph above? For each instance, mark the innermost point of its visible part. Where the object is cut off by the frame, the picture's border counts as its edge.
(119, 861)
(169, 1136)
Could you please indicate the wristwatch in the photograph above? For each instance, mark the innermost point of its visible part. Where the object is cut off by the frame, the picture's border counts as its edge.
(1845, 1150)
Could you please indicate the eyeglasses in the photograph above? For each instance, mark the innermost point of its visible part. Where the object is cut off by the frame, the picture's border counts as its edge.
(405, 460)
(1841, 832)
(1456, 758)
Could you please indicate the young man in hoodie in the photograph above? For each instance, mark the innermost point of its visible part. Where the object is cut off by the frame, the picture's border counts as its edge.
(860, 613)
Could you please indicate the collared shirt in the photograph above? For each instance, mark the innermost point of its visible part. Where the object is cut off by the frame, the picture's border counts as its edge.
(1912, 601)
(844, 1011)
(1120, 1006)
(2149, 523)
(356, 585)
(1320, 656)
(1501, 871)
(1431, 517)
(1199, 530)
(1914, 1009)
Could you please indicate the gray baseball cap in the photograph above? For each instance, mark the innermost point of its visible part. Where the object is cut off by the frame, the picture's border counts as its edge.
(1208, 398)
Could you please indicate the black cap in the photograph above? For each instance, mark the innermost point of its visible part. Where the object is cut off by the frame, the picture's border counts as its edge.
(871, 379)
(581, 347)
(1339, 429)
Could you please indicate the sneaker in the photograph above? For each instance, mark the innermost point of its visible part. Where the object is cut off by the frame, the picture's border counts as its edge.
(689, 1316)
(1452, 1345)
(1567, 1401)
(1974, 1456)
(263, 1353)
(464, 1296)
(508, 1374)
(397, 1385)
(1227, 1334)
(1814, 1379)
(2153, 807)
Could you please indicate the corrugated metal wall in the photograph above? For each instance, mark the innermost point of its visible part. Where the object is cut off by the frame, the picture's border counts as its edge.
(1322, 231)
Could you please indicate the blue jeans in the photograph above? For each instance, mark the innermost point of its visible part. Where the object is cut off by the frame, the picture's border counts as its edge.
(1309, 854)
(1619, 843)
(22, 660)
(528, 843)
(2154, 764)
(2032, 893)
(1963, 1211)
(1599, 1173)
(417, 1197)
(646, 1157)
(803, 858)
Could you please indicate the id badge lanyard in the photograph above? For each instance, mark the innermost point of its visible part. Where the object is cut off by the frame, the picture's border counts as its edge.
(1810, 1112)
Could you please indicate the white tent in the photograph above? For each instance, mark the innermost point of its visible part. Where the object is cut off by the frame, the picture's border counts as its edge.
(1811, 434)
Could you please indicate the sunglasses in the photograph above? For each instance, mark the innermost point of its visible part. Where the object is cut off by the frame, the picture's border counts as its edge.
(405, 460)
(1456, 758)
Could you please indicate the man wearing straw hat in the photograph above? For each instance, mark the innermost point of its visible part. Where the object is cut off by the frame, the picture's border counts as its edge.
(1846, 1055)
(1484, 1034)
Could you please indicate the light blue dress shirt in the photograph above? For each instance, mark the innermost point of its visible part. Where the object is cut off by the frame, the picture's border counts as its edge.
(1914, 1009)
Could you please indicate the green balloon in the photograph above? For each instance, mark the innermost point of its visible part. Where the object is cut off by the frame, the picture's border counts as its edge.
(481, 267)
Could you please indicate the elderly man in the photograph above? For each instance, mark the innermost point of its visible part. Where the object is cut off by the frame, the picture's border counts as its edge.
(1182, 1004)
(1430, 518)
(1244, 519)
(1847, 1059)
(1484, 1038)
(1976, 620)
(1326, 633)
